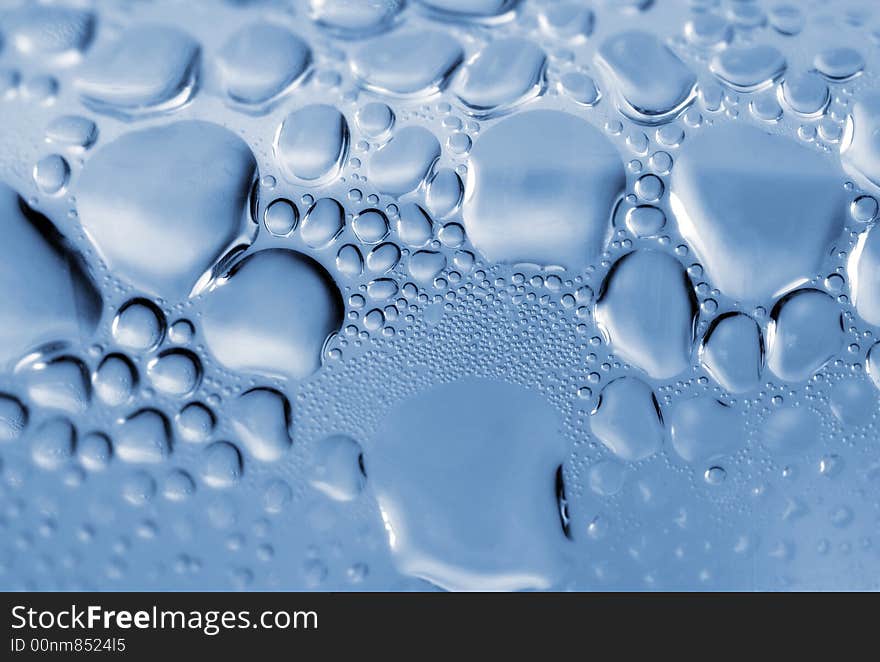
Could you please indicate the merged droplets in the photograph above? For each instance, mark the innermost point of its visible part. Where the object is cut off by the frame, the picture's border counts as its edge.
(651, 83)
(505, 73)
(407, 65)
(260, 62)
(278, 332)
(627, 419)
(541, 187)
(150, 69)
(646, 307)
(156, 216)
(756, 234)
(311, 144)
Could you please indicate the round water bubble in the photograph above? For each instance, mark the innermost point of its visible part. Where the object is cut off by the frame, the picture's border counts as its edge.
(139, 325)
(281, 217)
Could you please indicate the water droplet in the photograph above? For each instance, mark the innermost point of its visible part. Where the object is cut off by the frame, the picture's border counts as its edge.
(311, 144)
(247, 328)
(646, 308)
(261, 421)
(261, 62)
(150, 69)
(652, 85)
(153, 214)
(541, 187)
(627, 419)
(756, 235)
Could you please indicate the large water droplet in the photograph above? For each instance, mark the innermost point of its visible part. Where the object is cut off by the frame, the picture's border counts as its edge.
(401, 165)
(311, 144)
(349, 19)
(646, 307)
(733, 352)
(53, 444)
(495, 526)
(407, 65)
(158, 218)
(338, 469)
(627, 419)
(651, 83)
(46, 291)
(150, 69)
(757, 234)
(704, 429)
(261, 62)
(261, 420)
(805, 332)
(541, 187)
(272, 313)
(144, 437)
(859, 148)
(748, 68)
(60, 34)
(505, 73)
